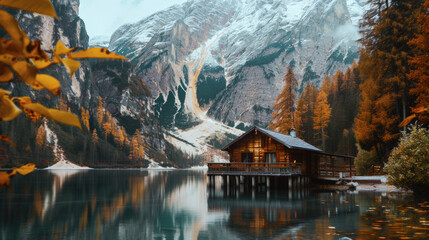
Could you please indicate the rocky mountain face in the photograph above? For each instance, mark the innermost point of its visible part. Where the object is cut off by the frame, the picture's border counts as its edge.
(225, 59)
(199, 69)
(123, 93)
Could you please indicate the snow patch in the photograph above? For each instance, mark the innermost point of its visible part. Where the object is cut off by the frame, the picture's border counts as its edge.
(195, 140)
(155, 166)
(199, 167)
(62, 163)
(99, 41)
(52, 138)
(66, 165)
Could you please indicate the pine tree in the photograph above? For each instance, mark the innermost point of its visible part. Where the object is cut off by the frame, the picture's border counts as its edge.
(284, 108)
(94, 136)
(41, 136)
(137, 150)
(304, 113)
(94, 140)
(343, 97)
(386, 29)
(328, 87)
(420, 62)
(107, 127)
(119, 137)
(63, 105)
(100, 112)
(85, 118)
(338, 82)
(322, 115)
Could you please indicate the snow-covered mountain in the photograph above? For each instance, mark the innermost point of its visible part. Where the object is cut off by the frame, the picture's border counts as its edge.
(99, 41)
(225, 59)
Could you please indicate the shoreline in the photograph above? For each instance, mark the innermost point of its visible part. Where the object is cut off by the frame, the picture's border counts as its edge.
(361, 187)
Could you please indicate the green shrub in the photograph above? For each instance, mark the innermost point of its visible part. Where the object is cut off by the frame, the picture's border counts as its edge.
(365, 161)
(408, 165)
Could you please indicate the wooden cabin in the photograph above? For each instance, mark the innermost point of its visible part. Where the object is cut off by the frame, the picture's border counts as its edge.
(264, 152)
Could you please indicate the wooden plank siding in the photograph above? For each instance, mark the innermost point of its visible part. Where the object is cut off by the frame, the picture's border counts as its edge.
(249, 152)
(258, 144)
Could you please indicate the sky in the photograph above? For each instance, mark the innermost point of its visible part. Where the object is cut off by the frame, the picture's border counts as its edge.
(103, 17)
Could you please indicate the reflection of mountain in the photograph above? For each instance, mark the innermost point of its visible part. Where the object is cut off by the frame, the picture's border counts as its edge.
(132, 204)
(104, 204)
(49, 198)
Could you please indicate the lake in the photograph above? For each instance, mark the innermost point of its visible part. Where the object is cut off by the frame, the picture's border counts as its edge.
(178, 204)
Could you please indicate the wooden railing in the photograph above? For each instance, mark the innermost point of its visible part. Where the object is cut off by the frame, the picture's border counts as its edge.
(335, 170)
(254, 168)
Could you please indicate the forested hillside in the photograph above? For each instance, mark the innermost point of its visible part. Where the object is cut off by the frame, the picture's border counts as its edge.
(362, 107)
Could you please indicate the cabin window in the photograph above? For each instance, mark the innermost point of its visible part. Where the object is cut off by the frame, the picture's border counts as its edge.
(247, 157)
(270, 157)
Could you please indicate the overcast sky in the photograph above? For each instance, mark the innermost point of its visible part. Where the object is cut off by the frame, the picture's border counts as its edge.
(103, 17)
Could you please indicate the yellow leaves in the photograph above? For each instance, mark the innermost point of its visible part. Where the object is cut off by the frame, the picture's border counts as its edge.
(24, 57)
(96, 52)
(32, 49)
(38, 6)
(420, 110)
(23, 170)
(41, 64)
(4, 179)
(71, 65)
(407, 120)
(54, 114)
(5, 74)
(26, 72)
(50, 83)
(69, 61)
(417, 112)
(61, 49)
(10, 25)
(26, 169)
(7, 139)
(8, 110)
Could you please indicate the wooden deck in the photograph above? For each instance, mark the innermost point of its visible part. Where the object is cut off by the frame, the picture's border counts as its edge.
(334, 171)
(253, 169)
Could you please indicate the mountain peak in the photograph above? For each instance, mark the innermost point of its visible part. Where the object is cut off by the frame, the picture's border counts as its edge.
(239, 45)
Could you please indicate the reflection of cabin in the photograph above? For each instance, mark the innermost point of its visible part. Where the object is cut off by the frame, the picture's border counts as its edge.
(262, 152)
(278, 216)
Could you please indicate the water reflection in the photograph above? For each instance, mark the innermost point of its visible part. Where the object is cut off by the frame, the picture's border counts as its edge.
(103, 205)
(131, 204)
(293, 214)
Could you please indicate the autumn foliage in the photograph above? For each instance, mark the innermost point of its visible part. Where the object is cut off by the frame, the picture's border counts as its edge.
(23, 170)
(304, 121)
(284, 108)
(386, 28)
(322, 115)
(420, 65)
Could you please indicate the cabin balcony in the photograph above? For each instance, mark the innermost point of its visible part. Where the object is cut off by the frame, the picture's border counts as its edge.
(254, 169)
(337, 171)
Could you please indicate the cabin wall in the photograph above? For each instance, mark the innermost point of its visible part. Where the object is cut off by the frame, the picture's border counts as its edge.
(312, 163)
(258, 144)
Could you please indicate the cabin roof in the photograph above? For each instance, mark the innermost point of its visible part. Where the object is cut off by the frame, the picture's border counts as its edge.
(287, 140)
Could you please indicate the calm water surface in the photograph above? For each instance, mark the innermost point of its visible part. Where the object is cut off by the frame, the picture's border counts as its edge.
(133, 204)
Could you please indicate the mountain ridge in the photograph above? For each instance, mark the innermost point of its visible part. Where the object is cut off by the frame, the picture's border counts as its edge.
(249, 42)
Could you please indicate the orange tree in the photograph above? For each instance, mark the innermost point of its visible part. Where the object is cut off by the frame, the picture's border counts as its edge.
(20, 60)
